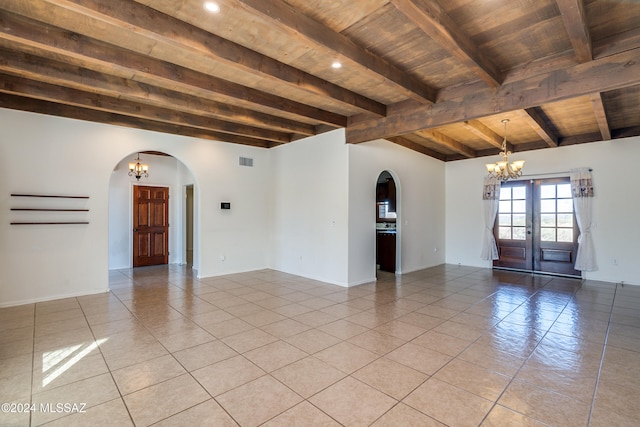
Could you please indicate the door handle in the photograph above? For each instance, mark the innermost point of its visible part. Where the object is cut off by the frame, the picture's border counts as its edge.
(135, 229)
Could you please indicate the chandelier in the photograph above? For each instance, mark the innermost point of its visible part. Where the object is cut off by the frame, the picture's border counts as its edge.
(138, 169)
(502, 169)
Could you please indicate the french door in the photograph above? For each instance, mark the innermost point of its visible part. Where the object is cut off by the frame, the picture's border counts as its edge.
(535, 228)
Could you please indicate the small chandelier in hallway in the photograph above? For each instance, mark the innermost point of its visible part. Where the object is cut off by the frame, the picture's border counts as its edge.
(138, 169)
(502, 169)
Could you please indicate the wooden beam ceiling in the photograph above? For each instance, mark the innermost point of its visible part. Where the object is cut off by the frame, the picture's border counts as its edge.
(54, 43)
(575, 22)
(429, 16)
(166, 33)
(302, 26)
(608, 73)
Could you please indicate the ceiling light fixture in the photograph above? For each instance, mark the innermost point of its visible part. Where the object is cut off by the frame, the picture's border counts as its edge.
(212, 7)
(138, 169)
(336, 65)
(502, 169)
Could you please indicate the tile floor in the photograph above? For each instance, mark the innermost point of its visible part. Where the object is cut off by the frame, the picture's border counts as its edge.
(449, 345)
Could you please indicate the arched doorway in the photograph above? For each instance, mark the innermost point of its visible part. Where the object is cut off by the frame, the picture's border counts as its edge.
(386, 223)
(165, 171)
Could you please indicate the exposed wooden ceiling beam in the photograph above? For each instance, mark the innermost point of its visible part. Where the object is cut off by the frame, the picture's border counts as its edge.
(54, 43)
(54, 109)
(575, 22)
(61, 74)
(603, 74)
(404, 142)
(601, 115)
(477, 128)
(448, 142)
(536, 119)
(67, 96)
(168, 34)
(301, 26)
(429, 16)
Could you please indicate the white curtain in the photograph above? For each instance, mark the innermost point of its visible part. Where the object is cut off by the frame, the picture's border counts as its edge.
(490, 200)
(582, 191)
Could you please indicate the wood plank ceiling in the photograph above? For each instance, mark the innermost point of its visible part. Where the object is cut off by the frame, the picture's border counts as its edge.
(435, 76)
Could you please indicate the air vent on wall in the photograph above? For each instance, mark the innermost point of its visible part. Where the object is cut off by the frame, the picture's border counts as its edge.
(246, 161)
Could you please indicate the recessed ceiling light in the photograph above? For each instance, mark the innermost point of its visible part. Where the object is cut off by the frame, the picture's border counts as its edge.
(212, 7)
(336, 65)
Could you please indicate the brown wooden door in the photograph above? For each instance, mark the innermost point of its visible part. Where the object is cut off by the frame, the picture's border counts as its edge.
(536, 229)
(150, 225)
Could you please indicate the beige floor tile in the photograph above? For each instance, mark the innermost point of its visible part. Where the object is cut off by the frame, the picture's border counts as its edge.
(207, 413)
(112, 413)
(209, 317)
(66, 339)
(545, 405)
(182, 340)
(352, 402)
(474, 379)
(292, 310)
(308, 376)
(401, 330)
(492, 358)
(448, 404)
(275, 355)
(227, 328)
(165, 399)
(16, 348)
(312, 340)
(459, 330)
(15, 418)
(441, 343)
(419, 358)
(390, 377)
(551, 339)
(15, 387)
(91, 392)
(376, 342)
(504, 417)
(16, 365)
(227, 374)
(127, 356)
(248, 340)
(346, 357)
(204, 354)
(343, 329)
(316, 318)
(403, 415)
(303, 414)
(285, 328)
(18, 334)
(420, 320)
(258, 401)
(615, 398)
(51, 370)
(145, 374)
(262, 318)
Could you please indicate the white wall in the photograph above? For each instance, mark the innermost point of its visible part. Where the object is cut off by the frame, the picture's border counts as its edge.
(310, 208)
(420, 205)
(165, 171)
(74, 157)
(615, 206)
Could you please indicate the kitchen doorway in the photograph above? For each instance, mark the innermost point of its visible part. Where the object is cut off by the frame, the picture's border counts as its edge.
(386, 223)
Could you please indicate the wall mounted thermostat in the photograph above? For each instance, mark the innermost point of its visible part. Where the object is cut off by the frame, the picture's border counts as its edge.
(225, 205)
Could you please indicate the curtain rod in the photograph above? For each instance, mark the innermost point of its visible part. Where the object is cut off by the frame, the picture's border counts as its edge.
(549, 173)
